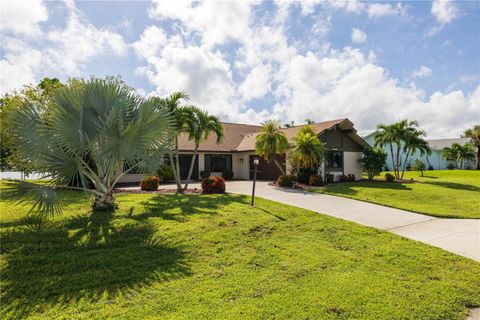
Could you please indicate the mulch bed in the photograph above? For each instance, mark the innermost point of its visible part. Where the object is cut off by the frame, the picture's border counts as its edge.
(301, 186)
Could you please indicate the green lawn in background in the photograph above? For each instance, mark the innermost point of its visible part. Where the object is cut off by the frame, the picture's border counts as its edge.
(215, 257)
(440, 193)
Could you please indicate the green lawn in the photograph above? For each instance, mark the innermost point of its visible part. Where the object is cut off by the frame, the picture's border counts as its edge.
(449, 193)
(204, 257)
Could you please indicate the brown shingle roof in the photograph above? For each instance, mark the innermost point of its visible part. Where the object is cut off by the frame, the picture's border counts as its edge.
(233, 135)
(248, 143)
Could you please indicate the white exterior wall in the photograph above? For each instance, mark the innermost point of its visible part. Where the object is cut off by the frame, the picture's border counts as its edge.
(351, 164)
(241, 170)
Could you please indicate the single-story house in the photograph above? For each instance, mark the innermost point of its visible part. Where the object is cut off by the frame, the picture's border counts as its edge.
(236, 152)
(434, 159)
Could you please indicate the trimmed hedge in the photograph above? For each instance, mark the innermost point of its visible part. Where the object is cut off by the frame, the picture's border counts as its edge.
(150, 183)
(213, 185)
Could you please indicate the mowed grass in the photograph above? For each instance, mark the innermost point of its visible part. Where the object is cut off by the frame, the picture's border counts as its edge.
(215, 257)
(440, 193)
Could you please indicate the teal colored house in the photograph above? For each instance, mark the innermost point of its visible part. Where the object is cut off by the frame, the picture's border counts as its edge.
(435, 159)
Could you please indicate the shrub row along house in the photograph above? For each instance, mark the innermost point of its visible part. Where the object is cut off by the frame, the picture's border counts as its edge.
(236, 152)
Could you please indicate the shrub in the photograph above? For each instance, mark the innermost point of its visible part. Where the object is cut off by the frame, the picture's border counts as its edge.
(450, 166)
(213, 185)
(165, 172)
(204, 174)
(303, 175)
(286, 180)
(373, 160)
(347, 178)
(329, 177)
(315, 180)
(430, 167)
(389, 177)
(227, 174)
(150, 183)
(418, 165)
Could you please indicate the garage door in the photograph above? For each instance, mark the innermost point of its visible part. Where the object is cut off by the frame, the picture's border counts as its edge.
(265, 170)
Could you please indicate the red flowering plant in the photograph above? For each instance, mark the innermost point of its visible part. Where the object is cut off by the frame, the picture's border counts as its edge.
(150, 183)
(213, 185)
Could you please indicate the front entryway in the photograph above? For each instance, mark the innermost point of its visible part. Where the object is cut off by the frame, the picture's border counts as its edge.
(265, 170)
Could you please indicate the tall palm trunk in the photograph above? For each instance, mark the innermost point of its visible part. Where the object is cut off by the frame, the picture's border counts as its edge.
(397, 168)
(405, 164)
(177, 164)
(393, 157)
(279, 166)
(175, 174)
(192, 164)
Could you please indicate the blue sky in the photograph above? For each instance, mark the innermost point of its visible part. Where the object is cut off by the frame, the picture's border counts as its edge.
(249, 61)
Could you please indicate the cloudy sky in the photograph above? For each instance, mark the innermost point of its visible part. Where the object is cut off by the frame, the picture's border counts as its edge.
(249, 61)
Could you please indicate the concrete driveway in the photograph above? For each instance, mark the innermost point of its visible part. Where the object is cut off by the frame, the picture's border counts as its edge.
(460, 236)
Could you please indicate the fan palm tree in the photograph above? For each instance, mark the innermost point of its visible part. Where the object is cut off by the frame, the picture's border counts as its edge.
(93, 131)
(270, 142)
(474, 134)
(308, 150)
(199, 130)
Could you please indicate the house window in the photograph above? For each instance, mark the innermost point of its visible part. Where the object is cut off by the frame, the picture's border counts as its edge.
(218, 162)
(334, 159)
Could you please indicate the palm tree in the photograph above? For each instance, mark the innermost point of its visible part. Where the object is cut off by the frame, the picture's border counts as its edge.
(474, 134)
(413, 141)
(399, 133)
(93, 131)
(386, 135)
(308, 150)
(466, 153)
(198, 130)
(270, 142)
(452, 154)
(180, 116)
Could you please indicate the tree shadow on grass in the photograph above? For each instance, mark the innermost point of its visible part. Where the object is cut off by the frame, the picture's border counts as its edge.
(453, 185)
(179, 208)
(87, 257)
(348, 188)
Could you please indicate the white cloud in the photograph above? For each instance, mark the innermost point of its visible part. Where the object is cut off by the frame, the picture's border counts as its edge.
(18, 65)
(358, 36)
(22, 17)
(322, 26)
(256, 84)
(376, 10)
(216, 22)
(348, 84)
(444, 11)
(56, 52)
(422, 72)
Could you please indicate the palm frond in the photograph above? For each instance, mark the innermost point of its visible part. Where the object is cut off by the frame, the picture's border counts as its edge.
(43, 198)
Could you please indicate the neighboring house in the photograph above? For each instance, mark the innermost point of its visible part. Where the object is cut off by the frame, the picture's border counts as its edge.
(237, 151)
(435, 159)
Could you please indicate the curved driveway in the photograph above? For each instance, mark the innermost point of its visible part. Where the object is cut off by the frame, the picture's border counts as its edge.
(460, 236)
